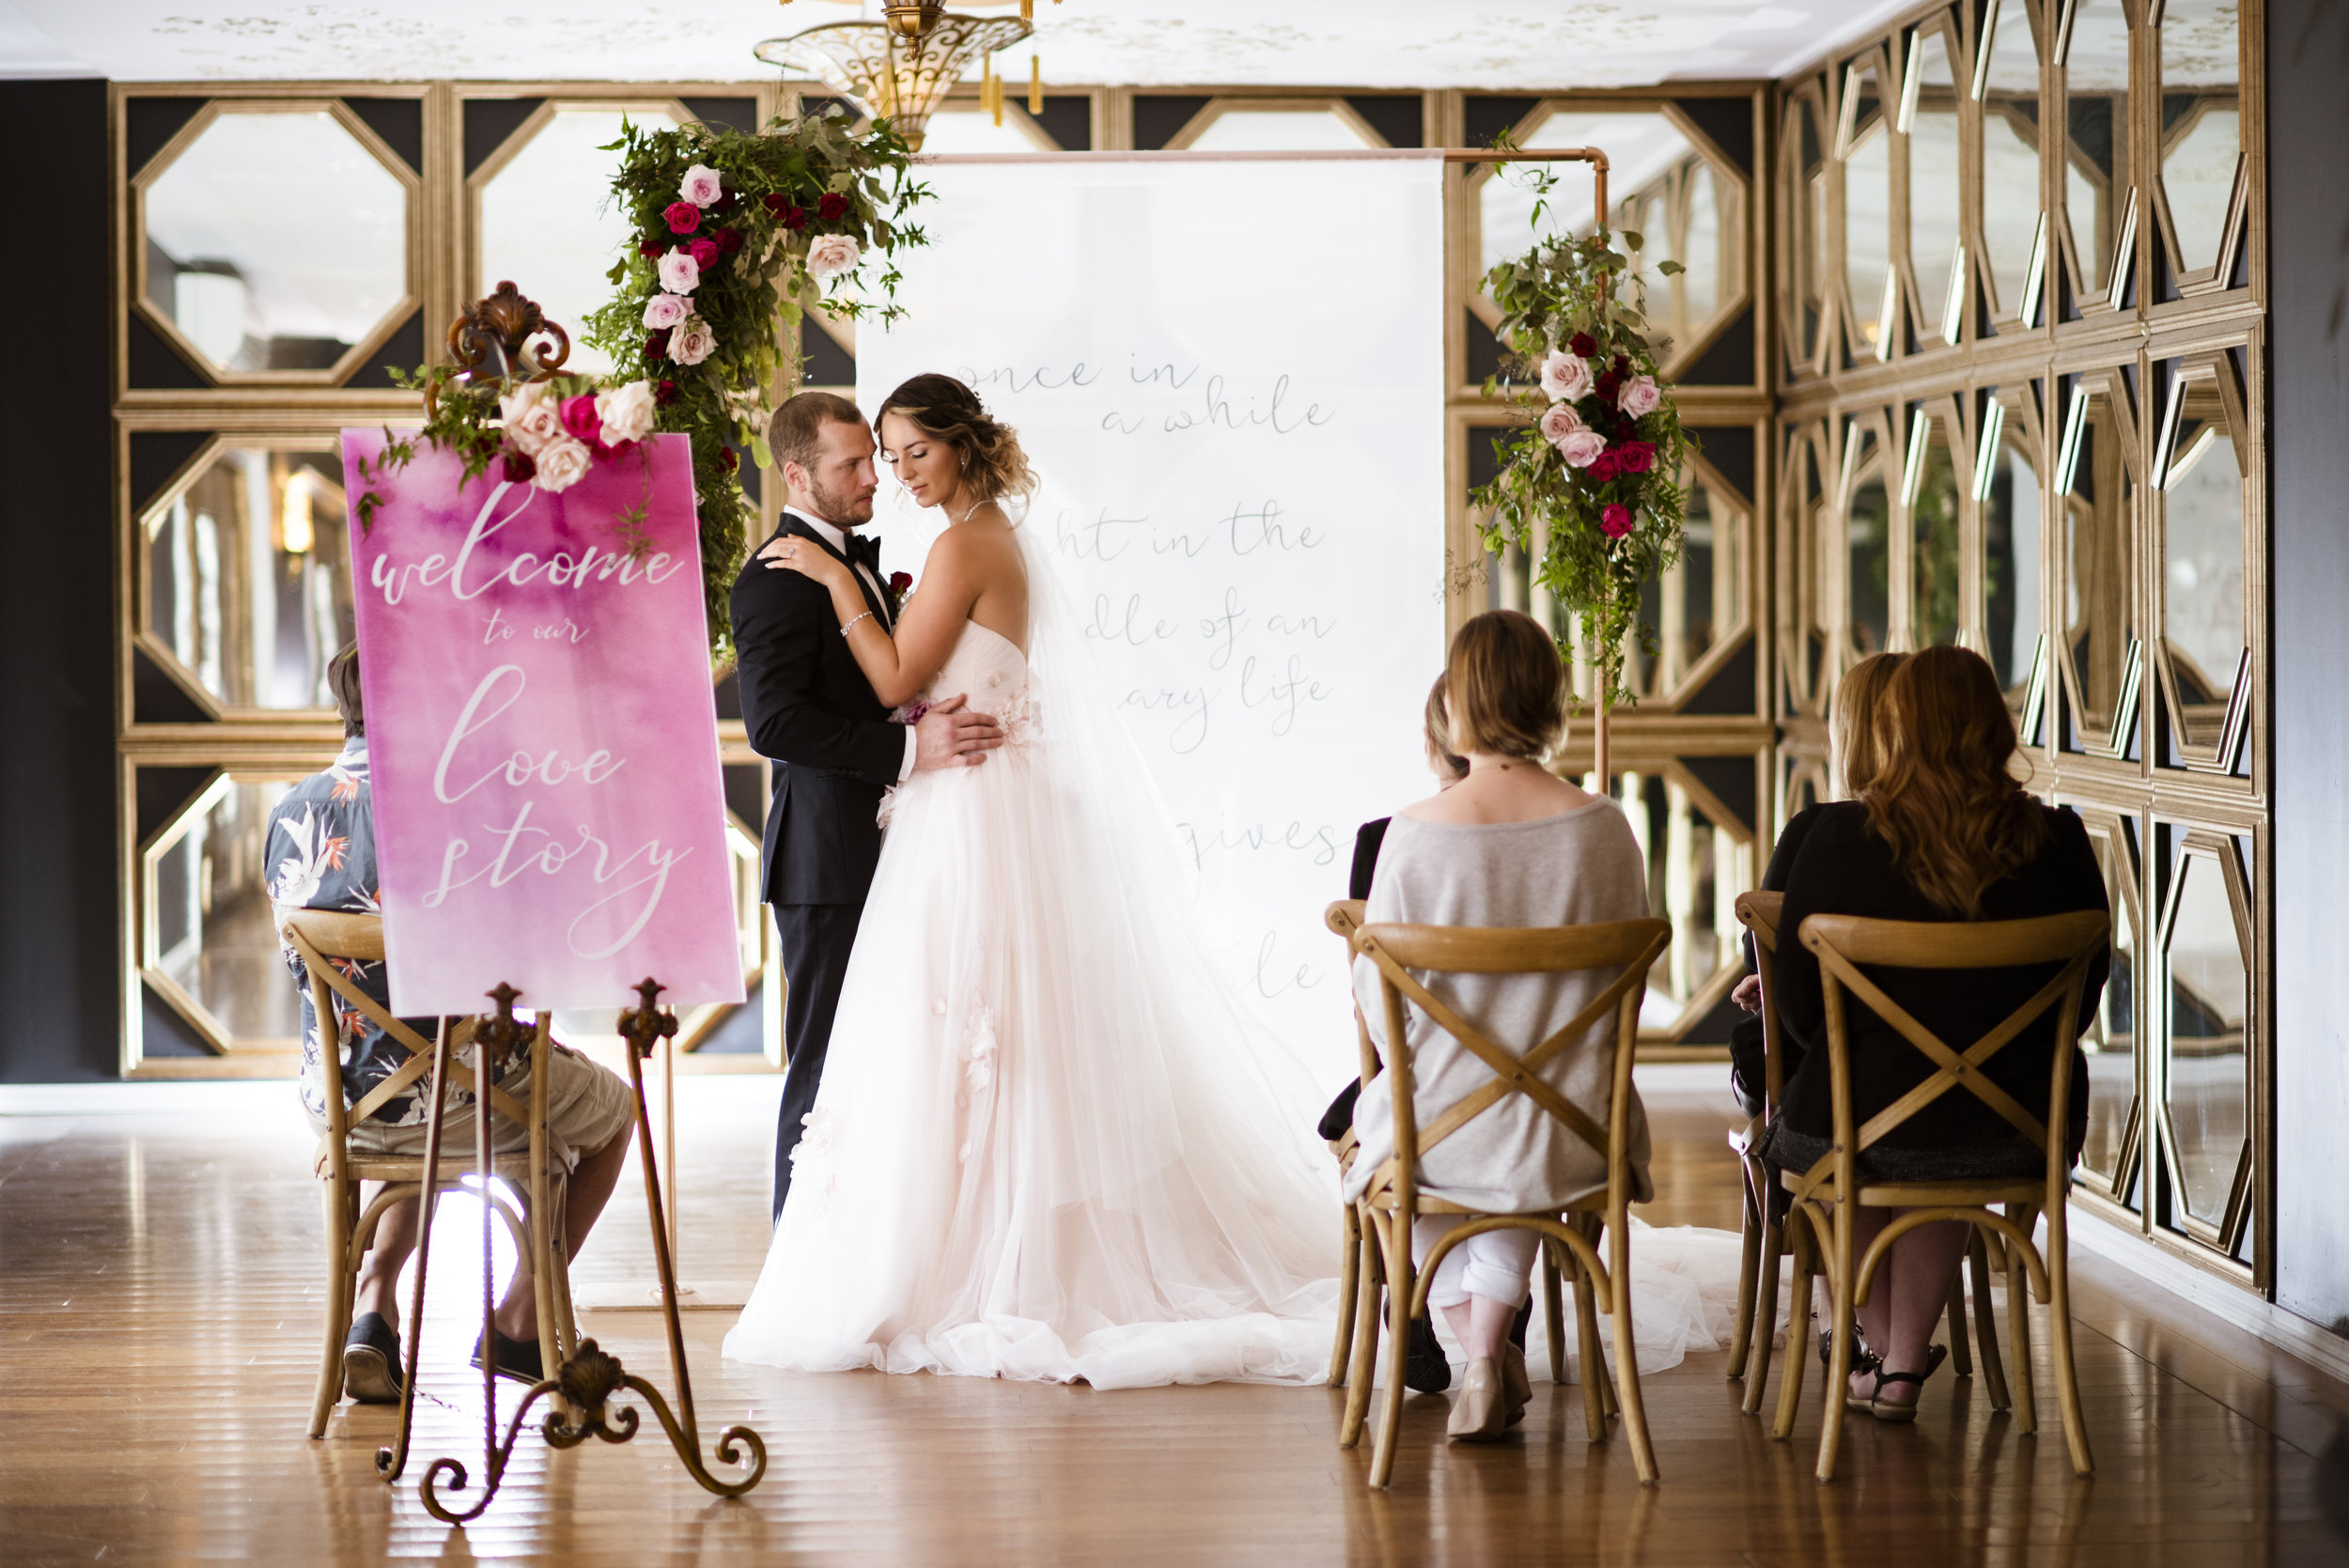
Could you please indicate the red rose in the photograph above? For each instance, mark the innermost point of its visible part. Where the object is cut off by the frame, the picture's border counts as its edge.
(664, 394)
(1605, 465)
(1637, 457)
(774, 202)
(726, 203)
(726, 460)
(1615, 521)
(833, 206)
(656, 347)
(581, 418)
(729, 240)
(1622, 364)
(1582, 346)
(900, 581)
(683, 217)
(793, 217)
(1605, 389)
(520, 466)
(704, 252)
(650, 249)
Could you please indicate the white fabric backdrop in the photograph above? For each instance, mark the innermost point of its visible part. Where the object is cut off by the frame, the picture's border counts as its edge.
(1230, 376)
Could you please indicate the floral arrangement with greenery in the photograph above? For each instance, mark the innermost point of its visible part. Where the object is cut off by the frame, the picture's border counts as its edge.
(1596, 469)
(736, 230)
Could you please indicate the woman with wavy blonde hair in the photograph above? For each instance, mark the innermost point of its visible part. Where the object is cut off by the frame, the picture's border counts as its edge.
(1052, 1141)
(1942, 831)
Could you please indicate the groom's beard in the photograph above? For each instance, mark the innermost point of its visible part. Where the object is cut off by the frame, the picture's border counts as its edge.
(842, 509)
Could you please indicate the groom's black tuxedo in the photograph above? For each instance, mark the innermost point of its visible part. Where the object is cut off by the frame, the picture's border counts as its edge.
(807, 705)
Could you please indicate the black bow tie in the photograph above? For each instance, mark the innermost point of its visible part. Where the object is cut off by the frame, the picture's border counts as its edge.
(862, 550)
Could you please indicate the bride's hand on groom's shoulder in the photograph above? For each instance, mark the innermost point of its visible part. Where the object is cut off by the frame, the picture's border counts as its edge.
(786, 553)
(948, 735)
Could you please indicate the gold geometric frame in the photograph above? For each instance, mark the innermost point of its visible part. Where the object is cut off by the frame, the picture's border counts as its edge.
(1216, 107)
(2201, 280)
(1731, 192)
(1852, 341)
(2214, 371)
(411, 295)
(2226, 1236)
(2109, 740)
(2093, 294)
(1806, 100)
(2026, 310)
(1956, 302)
(2128, 878)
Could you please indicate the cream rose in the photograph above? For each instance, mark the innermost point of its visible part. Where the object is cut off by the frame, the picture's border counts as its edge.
(1639, 397)
(1565, 377)
(701, 185)
(626, 414)
(562, 464)
(693, 342)
(680, 272)
(1559, 421)
(831, 256)
(663, 311)
(1582, 448)
(532, 418)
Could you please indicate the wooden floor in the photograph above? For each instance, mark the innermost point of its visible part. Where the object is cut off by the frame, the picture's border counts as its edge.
(159, 1290)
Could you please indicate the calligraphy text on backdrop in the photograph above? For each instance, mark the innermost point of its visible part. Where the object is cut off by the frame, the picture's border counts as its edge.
(1230, 377)
(541, 736)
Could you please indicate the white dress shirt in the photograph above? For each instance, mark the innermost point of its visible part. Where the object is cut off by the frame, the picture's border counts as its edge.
(838, 539)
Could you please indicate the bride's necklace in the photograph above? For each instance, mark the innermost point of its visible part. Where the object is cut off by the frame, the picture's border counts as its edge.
(966, 516)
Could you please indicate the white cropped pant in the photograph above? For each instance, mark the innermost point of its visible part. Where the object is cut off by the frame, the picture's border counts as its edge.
(1494, 1263)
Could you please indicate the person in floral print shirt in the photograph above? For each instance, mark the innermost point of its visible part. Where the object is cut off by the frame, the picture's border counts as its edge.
(320, 854)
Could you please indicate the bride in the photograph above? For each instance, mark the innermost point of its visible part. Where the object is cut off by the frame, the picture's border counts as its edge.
(1051, 1142)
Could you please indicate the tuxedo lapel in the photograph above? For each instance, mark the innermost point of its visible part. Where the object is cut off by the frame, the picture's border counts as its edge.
(879, 606)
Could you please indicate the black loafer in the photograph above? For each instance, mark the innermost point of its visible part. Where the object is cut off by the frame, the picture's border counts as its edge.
(1424, 1369)
(371, 1368)
(517, 1358)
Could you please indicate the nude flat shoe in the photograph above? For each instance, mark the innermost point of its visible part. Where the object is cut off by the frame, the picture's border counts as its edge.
(1480, 1412)
(1516, 1386)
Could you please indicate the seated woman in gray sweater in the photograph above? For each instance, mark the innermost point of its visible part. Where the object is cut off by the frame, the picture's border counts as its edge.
(1509, 845)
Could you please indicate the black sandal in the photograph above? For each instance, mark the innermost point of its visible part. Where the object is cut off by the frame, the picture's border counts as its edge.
(1935, 1356)
(1864, 1363)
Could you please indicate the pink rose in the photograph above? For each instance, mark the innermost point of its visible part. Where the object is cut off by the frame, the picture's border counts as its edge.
(831, 256)
(701, 186)
(693, 343)
(683, 217)
(1582, 448)
(1639, 397)
(563, 464)
(680, 272)
(1565, 377)
(1614, 521)
(665, 310)
(532, 420)
(626, 414)
(580, 417)
(704, 252)
(1559, 421)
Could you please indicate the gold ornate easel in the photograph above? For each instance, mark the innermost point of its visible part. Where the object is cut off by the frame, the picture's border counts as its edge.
(493, 337)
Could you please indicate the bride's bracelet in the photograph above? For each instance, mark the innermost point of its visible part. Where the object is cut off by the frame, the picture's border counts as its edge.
(852, 626)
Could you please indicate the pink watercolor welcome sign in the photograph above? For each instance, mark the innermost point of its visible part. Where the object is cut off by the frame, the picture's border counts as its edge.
(542, 733)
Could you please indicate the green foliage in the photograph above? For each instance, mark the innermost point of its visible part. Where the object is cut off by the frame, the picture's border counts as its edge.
(776, 182)
(1563, 298)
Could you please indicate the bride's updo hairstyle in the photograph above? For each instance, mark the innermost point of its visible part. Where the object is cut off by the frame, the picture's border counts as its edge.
(1505, 688)
(944, 409)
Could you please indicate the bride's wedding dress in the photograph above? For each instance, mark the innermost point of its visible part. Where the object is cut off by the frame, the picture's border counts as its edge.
(1052, 1141)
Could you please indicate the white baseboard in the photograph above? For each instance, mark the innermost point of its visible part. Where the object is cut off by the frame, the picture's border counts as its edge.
(2288, 1331)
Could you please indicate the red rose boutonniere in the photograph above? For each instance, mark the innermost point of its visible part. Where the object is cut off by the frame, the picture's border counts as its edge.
(900, 584)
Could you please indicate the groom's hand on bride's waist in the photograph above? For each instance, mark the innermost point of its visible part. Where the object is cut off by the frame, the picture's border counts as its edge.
(948, 735)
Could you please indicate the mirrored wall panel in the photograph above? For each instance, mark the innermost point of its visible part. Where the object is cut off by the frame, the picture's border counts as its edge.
(1937, 254)
(2110, 1043)
(1700, 603)
(1866, 141)
(2201, 134)
(2206, 1073)
(2007, 84)
(1803, 209)
(2007, 490)
(2096, 170)
(2202, 579)
(1936, 550)
(2098, 498)
(274, 240)
(1697, 858)
(1867, 545)
(1307, 128)
(247, 574)
(210, 940)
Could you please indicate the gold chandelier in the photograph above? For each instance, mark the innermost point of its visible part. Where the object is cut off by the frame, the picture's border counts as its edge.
(902, 68)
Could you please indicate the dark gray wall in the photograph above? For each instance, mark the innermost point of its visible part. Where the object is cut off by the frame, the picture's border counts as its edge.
(2307, 131)
(60, 1012)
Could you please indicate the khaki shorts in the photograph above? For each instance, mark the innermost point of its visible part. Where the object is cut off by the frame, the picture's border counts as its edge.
(587, 1107)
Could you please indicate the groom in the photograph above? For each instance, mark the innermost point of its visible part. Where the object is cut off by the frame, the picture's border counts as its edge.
(835, 750)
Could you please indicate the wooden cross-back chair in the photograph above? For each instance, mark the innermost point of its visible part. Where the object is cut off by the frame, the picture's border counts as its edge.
(1393, 1201)
(1361, 1274)
(322, 936)
(1764, 1242)
(1824, 1195)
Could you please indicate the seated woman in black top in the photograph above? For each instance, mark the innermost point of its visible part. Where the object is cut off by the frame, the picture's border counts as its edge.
(1851, 743)
(1943, 833)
